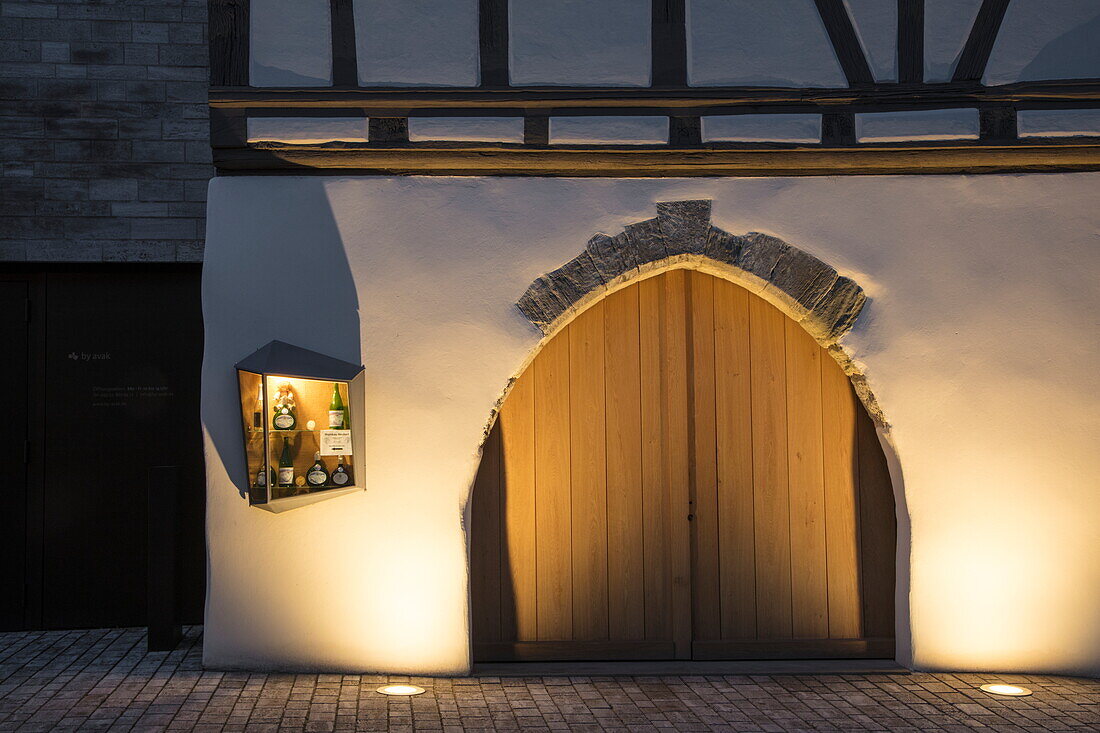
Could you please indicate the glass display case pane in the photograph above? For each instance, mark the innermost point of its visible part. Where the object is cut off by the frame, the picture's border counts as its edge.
(309, 442)
(252, 418)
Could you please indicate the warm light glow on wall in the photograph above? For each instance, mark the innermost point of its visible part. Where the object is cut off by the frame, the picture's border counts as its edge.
(988, 571)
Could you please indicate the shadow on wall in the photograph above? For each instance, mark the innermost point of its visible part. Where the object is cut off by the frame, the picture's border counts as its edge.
(1067, 55)
(311, 302)
(269, 75)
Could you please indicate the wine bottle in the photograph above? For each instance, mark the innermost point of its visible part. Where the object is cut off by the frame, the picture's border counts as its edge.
(258, 413)
(337, 413)
(264, 477)
(286, 466)
(286, 411)
(317, 475)
(340, 474)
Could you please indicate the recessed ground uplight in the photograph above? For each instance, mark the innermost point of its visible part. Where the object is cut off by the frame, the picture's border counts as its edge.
(400, 690)
(1009, 690)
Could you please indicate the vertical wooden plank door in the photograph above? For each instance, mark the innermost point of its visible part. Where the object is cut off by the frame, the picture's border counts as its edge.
(14, 434)
(682, 472)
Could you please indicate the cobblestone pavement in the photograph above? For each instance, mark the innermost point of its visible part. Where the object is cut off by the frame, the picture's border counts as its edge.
(104, 680)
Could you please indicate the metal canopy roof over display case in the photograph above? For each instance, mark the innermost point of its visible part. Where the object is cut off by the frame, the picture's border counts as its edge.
(287, 360)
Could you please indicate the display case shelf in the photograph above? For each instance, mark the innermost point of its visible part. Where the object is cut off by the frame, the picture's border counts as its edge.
(280, 380)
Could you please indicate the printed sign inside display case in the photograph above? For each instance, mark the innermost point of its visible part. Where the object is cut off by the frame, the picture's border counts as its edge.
(300, 416)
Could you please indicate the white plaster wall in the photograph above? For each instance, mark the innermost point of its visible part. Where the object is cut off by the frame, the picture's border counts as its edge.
(579, 42)
(791, 128)
(947, 25)
(1058, 122)
(876, 24)
(780, 42)
(612, 129)
(307, 129)
(416, 42)
(935, 124)
(289, 43)
(979, 340)
(1046, 39)
(494, 129)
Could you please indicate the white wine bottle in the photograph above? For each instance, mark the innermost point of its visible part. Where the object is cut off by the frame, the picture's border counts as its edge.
(286, 466)
(340, 474)
(317, 475)
(337, 413)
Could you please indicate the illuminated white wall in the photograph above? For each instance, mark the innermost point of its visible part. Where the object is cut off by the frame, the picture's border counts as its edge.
(979, 340)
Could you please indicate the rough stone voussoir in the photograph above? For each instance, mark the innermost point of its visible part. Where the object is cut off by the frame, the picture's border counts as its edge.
(722, 246)
(811, 291)
(648, 241)
(609, 258)
(685, 225)
(760, 253)
(836, 311)
(576, 278)
(541, 304)
(802, 277)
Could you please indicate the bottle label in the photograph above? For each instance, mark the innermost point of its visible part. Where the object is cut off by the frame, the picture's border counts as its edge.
(284, 422)
(286, 475)
(336, 419)
(261, 478)
(317, 478)
(339, 477)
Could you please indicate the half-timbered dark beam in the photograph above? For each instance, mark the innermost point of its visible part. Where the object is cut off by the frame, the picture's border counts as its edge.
(845, 42)
(388, 129)
(228, 28)
(910, 41)
(492, 19)
(669, 43)
(536, 130)
(979, 44)
(759, 161)
(838, 129)
(345, 71)
(685, 132)
(399, 102)
(997, 124)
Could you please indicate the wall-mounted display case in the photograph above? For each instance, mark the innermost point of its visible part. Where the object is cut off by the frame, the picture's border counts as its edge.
(302, 416)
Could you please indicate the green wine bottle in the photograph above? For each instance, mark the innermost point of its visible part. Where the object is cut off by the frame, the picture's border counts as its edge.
(340, 475)
(337, 413)
(317, 475)
(286, 466)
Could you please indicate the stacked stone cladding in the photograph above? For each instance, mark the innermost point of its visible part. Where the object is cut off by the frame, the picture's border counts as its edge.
(104, 139)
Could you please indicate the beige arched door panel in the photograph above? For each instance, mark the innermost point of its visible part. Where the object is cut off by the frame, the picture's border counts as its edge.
(682, 472)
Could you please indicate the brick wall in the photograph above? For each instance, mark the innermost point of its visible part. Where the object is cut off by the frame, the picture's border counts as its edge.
(103, 130)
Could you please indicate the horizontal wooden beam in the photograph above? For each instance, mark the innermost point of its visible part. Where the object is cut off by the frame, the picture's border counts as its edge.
(695, 100)
(488, 160)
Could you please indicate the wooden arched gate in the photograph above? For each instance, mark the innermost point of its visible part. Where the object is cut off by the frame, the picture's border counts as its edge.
(682, 472)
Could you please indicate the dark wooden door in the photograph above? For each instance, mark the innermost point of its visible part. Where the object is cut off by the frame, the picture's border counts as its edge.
(123, 354)
(14, 451)
(682, 472)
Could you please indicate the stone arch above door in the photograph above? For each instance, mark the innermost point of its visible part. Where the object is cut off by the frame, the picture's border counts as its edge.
(809, 291)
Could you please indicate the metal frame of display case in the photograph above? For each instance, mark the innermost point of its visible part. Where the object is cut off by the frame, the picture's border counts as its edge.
(283, 360)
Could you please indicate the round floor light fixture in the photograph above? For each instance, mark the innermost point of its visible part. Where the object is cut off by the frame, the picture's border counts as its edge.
(400, 690)
(998, 688)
